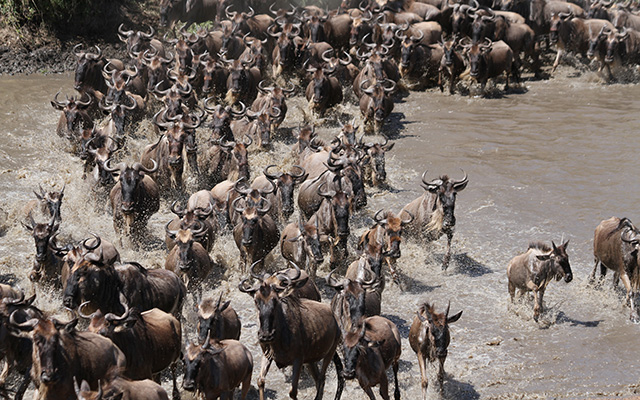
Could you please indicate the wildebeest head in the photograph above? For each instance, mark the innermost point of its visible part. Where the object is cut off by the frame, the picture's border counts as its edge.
(286, 182)
(52, 201)
(130, 178)
(560, 259)
(392, 226)
(315, 25)
(136, 41)
(375, 155)
(86, 62)
(157, 67)
(355, 345)
(445, 190)
(42, 233)
(50, 358)
(309, 239)
(559, 22)
(460, 19)
(74, 111)
(477, 53)
(194, 356)
(210, 318)
(352, 298)
(482, 26)
(434, 331)
(341, 206)
(408, 54)
(449, 48)
(221, 119)
(379, 100)
(597, 42)
(269, 291)
(359, 27)
(261, 124)
(185, 239)
(251, 216)
(170, 11)
(91, 280)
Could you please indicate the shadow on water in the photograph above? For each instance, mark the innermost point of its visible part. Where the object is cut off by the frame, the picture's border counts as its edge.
(562, 318)
(467, 265)
(454, 389)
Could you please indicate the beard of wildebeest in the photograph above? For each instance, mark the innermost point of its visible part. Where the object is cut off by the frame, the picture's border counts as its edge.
(98, 284)
(268, 307)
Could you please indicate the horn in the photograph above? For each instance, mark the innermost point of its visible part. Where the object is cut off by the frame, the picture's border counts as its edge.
(76, 50)
(90, 248)
(139, 167)
(253, 273)
(177, 211)
(298, 176)
(378, 218)
(348, 60)
(325, 56)
(411, 217)
(82, 314)
(462, 182)
(271, 176)
(333, 282)
(172, 234)
(235, 206)
(264, 209)
(119, 167)
(389, 88)
(264, 89)
(229, 14)
(123, 32)
(27, 325)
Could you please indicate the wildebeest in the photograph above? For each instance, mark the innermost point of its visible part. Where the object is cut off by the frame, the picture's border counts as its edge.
(118, 387)
(376, 104)
(354, 299)
(429, 339)
(216, 370)
(15, 350)
(433, 212)
(294, 331)
(90, 280)
(615, 247)
(47, 265)
(256, 234)
(134, 199)
(300, 244)
(489, 60)
(285, 182)
(189, 11)
(151, 341)
(323, 92)
(61, 353)
(374, 172)
(48, 204)
(217, 320)
(188, 258)
(533, 270)
(369, 350)
(74, 123)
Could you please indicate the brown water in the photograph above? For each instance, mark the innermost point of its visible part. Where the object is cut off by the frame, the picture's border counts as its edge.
(547, 164)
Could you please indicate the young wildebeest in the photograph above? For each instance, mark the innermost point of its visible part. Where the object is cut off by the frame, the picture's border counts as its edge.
(429, 338)
(216, 370)
(216, 320)
(615, 247)
(369, 351)
(533, 270)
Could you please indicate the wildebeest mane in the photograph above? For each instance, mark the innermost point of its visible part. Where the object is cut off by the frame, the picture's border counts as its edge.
(540, 246)
(624, 223)
(139, 267)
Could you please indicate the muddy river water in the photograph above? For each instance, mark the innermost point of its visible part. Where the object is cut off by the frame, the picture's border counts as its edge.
(548, 164)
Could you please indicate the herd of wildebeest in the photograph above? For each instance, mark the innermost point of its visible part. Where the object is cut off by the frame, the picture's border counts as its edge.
(228, 76)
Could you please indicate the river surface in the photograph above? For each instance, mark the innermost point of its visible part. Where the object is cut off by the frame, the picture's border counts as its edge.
(547, 164)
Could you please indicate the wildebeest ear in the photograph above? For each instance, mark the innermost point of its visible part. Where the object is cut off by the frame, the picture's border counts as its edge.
(389, 146)
(118, 396)
(564, 245)
(454, 318)
(84, 387)
(225, 305)
(543, 257)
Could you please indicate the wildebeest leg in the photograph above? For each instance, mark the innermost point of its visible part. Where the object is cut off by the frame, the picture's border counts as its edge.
(440, 80)
(26, 379)
(452, 82)
(384, 386)
(441, 374)
(557, 61)
(512, 290)
(631, 296)
(423, 375)
(338, 365)
(174, 373)
(592, 277)
(295, 378)
(369, 392)
(537, 308)
(246, 385)
(506, 85)
(396, 392)
(447, 255)
(264, 368)
(616, 279)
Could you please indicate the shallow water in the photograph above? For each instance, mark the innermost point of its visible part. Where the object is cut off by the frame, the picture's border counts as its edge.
(547, 164)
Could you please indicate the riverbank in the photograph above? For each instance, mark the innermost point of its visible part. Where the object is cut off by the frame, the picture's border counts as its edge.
(39, 47)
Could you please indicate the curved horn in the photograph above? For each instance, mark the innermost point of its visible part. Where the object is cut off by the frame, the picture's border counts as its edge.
(139, 167)
(271, 176)
(171, 233)
(123, 32)
(85, 243)
(119, 167)
(408, 221)
(301, 173)
(378, 218)
(389, 88)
